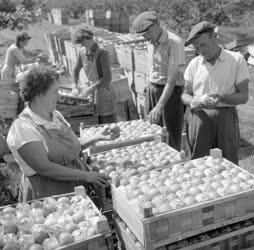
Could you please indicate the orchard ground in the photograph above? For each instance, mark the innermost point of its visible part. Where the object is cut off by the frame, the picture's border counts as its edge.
(246, 112)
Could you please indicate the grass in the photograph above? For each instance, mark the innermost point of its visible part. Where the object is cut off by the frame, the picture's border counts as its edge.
(246, 112)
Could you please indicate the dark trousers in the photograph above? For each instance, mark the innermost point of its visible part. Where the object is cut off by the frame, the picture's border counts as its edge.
(217, 128)
(172, 116)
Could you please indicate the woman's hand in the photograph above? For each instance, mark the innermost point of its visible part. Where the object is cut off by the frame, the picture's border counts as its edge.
(97, 178)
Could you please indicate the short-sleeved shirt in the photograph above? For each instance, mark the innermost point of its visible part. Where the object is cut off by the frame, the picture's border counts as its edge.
(167, 53)
(221, 78)
(24, 131)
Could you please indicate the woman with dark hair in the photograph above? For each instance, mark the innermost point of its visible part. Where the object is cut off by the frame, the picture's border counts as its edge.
(43, 144)
(17, 54)
(96, 63)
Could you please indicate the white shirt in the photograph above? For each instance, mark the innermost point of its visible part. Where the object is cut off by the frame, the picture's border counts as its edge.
(221, 78)
(24, 131)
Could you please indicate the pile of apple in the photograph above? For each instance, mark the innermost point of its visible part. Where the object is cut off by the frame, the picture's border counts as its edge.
(185, 184)
(122, 163)
(128, 130)
(48, 224)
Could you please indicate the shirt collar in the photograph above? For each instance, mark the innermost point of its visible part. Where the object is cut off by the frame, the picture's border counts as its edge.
(220, 58)
(37, 119)
(163, 37)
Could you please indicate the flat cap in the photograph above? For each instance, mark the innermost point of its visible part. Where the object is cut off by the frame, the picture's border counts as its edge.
(144, 21)
(81, 32)
(197, 30)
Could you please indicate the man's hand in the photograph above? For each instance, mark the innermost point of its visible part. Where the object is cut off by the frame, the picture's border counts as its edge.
(75, 91)
(196, 105)
(155, 114)
(86, 92)
(212, 101)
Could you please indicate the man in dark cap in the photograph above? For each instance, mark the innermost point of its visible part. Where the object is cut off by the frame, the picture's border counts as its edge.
(163, 95)
(96, 64)
(216, 82)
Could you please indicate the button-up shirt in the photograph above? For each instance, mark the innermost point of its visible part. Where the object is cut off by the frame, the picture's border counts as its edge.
(221, 78)
(167, 53)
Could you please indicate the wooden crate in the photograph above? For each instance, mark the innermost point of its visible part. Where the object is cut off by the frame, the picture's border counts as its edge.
(125, 56)
(159, 230)
(77, 110)
(225, 238)
(140, 104)
(100, 241)
(88, 120)
(140, 83)
(121, 89)
(141, 60)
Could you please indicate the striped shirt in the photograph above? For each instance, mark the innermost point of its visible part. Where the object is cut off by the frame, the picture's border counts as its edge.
(168, 51)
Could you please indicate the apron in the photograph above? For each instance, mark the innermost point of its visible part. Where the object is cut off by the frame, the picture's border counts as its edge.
(63, 149)
(104, 95)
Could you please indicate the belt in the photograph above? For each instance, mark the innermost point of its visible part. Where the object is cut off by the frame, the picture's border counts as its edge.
(163, 85)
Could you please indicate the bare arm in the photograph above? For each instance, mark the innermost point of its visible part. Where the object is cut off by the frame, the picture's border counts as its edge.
(187, 95)
(21, 58)
(29, 53)
(35, 155)
(240, 97)
(76, 71)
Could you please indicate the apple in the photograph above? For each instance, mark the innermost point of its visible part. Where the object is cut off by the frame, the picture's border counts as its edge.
(25, 241)
(55, 230)
(9, 210)
(63, 199)
(10, 228)
(189, 200)
(48, 209)
(11, 246)
(70, 227)
(50, 243)
(201, 197)
(36, 204)
(65, 238)
(194, 191)
(79, 216)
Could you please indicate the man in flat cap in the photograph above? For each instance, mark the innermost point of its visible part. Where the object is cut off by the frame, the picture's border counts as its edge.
(96, 63)
(216, 82)
(163, 95)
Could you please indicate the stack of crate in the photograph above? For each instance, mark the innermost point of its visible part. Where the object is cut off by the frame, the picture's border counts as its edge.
(56, 46)
(59, 16)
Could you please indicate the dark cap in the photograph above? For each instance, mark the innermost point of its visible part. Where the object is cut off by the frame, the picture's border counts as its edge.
(81, 32)
(144, 21)
(197, 30)
(23, 36)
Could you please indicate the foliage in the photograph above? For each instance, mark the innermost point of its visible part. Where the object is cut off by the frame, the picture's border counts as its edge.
(18, 16)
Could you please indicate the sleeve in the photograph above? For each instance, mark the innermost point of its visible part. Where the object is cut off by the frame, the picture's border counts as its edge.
(189, 74)
(21, 133)
(242, 71)
(177, 51)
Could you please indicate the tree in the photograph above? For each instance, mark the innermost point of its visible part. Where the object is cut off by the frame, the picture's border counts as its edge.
(15, 16)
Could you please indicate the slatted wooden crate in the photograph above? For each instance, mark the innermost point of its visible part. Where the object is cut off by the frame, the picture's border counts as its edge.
(77, 110)
(140, 82)
(169, 227)
(121, 88)
(141, 60)
(101, 241)
(140, 103)
(125, 56)
(9, 99)
(232, 237)
(60, 16)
